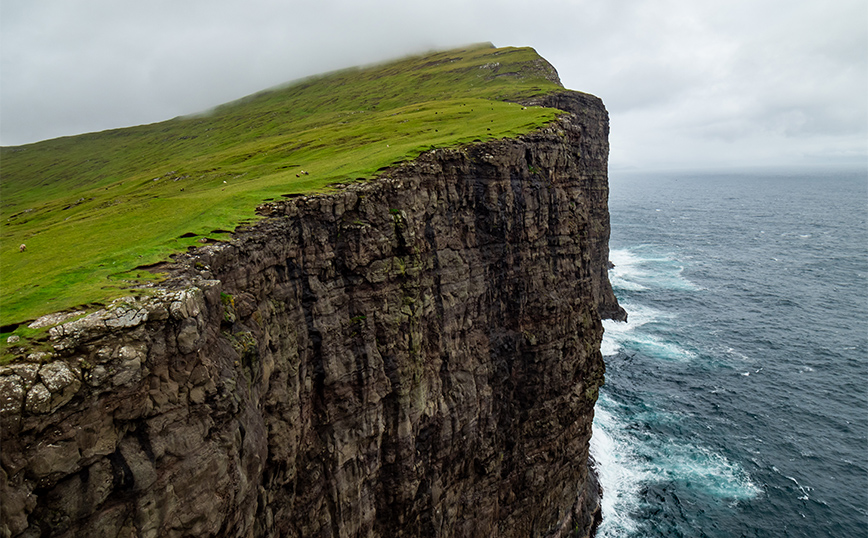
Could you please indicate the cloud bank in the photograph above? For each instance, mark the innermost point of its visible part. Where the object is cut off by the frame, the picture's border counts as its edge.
(687, 84)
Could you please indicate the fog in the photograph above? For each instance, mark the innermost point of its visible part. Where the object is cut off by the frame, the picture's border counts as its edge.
(687, 84)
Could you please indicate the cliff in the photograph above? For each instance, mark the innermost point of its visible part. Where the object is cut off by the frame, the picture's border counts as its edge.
(412, 356)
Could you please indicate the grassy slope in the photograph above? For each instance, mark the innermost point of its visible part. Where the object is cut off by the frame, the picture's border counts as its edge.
(91, 208)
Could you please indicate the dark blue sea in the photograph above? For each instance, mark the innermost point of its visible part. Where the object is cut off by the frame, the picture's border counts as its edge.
(736, 396)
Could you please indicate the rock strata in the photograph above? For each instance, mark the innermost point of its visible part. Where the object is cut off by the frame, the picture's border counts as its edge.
(413, 356)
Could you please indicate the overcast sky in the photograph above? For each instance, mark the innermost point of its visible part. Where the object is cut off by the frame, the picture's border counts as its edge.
(687, 83)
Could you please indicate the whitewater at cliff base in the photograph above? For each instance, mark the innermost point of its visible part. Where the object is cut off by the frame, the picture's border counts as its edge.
(735, 400)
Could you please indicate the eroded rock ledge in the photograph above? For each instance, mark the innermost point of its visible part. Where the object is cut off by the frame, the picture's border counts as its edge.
(414, 356)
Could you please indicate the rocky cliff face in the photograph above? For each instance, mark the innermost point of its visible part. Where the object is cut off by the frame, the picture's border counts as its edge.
(413, 356)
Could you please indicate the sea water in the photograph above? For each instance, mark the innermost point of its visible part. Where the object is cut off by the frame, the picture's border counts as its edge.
(736, 396)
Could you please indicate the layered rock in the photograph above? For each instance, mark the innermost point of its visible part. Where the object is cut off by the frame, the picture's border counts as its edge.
(413, 356)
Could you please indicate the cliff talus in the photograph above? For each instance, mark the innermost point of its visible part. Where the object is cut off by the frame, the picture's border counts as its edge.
(412, 356)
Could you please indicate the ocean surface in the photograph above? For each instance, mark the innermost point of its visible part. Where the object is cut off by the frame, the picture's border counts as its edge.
(736, 396)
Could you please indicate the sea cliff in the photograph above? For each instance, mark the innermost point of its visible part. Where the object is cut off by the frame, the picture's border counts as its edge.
(416, 355)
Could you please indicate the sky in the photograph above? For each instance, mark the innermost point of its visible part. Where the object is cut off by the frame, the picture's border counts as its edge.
(687, 83)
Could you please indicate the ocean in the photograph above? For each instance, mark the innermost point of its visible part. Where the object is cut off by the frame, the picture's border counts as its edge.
(736, 395)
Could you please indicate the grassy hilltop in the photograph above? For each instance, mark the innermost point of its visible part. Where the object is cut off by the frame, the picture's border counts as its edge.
(92, 208)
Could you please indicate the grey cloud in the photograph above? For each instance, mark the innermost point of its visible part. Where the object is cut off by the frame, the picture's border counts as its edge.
(767, 80)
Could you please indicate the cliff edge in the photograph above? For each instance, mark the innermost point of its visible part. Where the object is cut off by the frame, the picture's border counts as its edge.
(413, 356)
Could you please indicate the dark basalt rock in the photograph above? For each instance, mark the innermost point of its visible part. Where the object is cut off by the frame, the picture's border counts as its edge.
(413, 356)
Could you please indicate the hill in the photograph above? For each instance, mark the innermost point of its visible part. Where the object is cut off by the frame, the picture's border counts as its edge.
(95, 210)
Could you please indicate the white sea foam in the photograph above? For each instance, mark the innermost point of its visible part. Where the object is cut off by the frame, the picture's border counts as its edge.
(675, 280)
(641, 268)
(803, 490)
(609, 346)
(626, 275)
(626, 463)
(634, 335)
(620, 478)
(615, 333)
(703, 469)
(654, 346)
(732, 352)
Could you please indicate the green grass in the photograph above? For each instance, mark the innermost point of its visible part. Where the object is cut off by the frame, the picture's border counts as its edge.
(92, 208)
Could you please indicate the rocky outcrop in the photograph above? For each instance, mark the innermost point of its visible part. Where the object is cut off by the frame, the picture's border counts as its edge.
(412, 356)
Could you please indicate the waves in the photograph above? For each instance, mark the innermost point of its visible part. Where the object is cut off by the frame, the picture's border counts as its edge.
(735, 401)
(643, 452)
(637, 270)
(646, 332)
(641, 267)
(621, 480)
(638, 468)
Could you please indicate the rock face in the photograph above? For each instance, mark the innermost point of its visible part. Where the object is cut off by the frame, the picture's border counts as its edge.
(414, 356)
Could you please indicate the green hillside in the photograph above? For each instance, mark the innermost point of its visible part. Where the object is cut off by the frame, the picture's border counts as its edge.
(92, 208)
